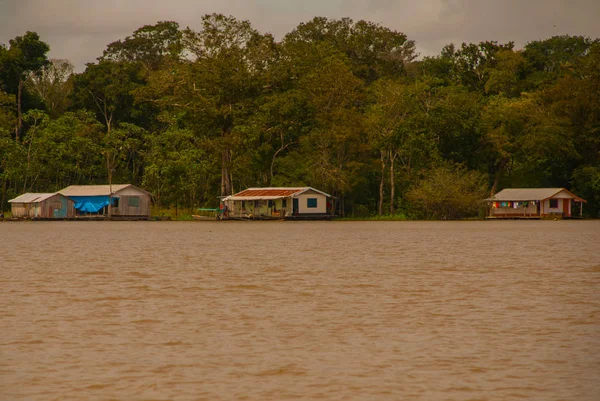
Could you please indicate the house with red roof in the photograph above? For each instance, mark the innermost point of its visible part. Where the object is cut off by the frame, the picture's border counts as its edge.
(301, 203)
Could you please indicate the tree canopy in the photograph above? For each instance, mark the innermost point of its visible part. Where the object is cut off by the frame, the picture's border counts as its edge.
(345, 106)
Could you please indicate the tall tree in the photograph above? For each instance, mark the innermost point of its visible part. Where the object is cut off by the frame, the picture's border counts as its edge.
(472, 62)
(524, 137)
(150, 45)
(53, 85)
(217, 91)
(108, 89)
(374, 51)
(26, 54)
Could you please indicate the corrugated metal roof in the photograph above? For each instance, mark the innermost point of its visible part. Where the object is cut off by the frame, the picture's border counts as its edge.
(278, 192)
(92, 190)
(32, 197)
(270, 193)
(528, 194)
(249, 198)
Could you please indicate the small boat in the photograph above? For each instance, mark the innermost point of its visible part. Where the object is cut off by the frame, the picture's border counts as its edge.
(208, 214)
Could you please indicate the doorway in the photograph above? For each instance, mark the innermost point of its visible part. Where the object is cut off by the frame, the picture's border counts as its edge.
(566, 204)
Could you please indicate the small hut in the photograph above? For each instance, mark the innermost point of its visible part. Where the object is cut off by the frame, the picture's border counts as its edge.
(42, 206)
(279, 203)
(523, 203)
(119, 201)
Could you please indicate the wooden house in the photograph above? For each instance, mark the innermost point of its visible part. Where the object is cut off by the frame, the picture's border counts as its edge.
(42, 206)
(118, 201)
(278, 203)
(534, 203)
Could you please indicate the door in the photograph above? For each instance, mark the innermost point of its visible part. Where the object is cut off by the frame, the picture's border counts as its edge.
(295, 206)
(566, 204)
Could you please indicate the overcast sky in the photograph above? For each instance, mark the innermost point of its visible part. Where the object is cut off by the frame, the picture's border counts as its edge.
(79, 30)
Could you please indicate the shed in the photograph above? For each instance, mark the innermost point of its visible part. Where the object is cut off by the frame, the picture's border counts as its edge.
(279, 203)
(114, 201)
(42, 206)
(534, 203)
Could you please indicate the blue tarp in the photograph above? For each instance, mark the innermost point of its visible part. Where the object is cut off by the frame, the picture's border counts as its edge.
(90, 204)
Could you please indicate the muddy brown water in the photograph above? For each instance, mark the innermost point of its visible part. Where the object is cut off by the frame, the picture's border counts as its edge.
(300, 310)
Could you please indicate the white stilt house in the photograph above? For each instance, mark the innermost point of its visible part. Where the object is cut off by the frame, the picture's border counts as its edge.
(279, 203)
(535, 203)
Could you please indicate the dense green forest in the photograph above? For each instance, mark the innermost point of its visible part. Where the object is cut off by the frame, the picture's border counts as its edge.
(344, 106)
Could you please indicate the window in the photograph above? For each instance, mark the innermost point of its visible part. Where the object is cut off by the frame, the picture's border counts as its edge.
(311, 202)
(553, 203)
(115, 202)
(133, 201)
(283, 203)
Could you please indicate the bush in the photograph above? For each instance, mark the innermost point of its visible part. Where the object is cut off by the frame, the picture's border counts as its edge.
(449, 192)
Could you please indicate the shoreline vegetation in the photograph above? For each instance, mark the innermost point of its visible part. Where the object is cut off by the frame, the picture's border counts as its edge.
(341, 105)
(188, 215)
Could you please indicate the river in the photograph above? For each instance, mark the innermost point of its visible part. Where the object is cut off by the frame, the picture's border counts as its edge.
(483, 310)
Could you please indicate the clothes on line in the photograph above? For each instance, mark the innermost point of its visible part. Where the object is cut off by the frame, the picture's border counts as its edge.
(514, 205)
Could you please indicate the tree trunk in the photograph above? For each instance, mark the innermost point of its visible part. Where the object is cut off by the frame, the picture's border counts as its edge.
(19, 111)
(392, 184)
(281, 148)
(382, 182)
(4, 186)
(225, 177)
(501, 164)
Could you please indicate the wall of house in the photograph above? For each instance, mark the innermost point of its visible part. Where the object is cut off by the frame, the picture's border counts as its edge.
(236, 209)
(303, 203)
(514, 212)
(19, 209)
(56, 206)
(283, 210)
(558, 209)
(62, 207)
(563, 195)
(28, 210)
(259, 208)
(127, 203)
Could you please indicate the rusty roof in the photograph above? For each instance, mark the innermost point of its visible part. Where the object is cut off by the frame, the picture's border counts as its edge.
(272, 193)
(277, 192)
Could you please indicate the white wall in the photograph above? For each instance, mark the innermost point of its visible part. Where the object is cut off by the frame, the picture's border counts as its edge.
(559, 209)
(321, 203)
(563, 195)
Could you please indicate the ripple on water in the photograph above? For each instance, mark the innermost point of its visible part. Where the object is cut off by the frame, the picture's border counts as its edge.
(378, 311)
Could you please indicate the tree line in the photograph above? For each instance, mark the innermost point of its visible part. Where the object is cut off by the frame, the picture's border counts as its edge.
(344, 106)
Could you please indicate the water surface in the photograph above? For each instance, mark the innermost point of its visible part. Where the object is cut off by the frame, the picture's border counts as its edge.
(300, 310)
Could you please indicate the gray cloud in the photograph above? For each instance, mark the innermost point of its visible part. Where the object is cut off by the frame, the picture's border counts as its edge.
(79, 30)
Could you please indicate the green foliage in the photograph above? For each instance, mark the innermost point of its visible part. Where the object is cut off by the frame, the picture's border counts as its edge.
(449, 192)
(341, 105)
(53, 85)
(151, 45)
(25, 54)
(587, 184)
(374, 51)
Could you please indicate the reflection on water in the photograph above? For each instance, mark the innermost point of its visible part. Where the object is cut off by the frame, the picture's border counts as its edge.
(278, 310)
